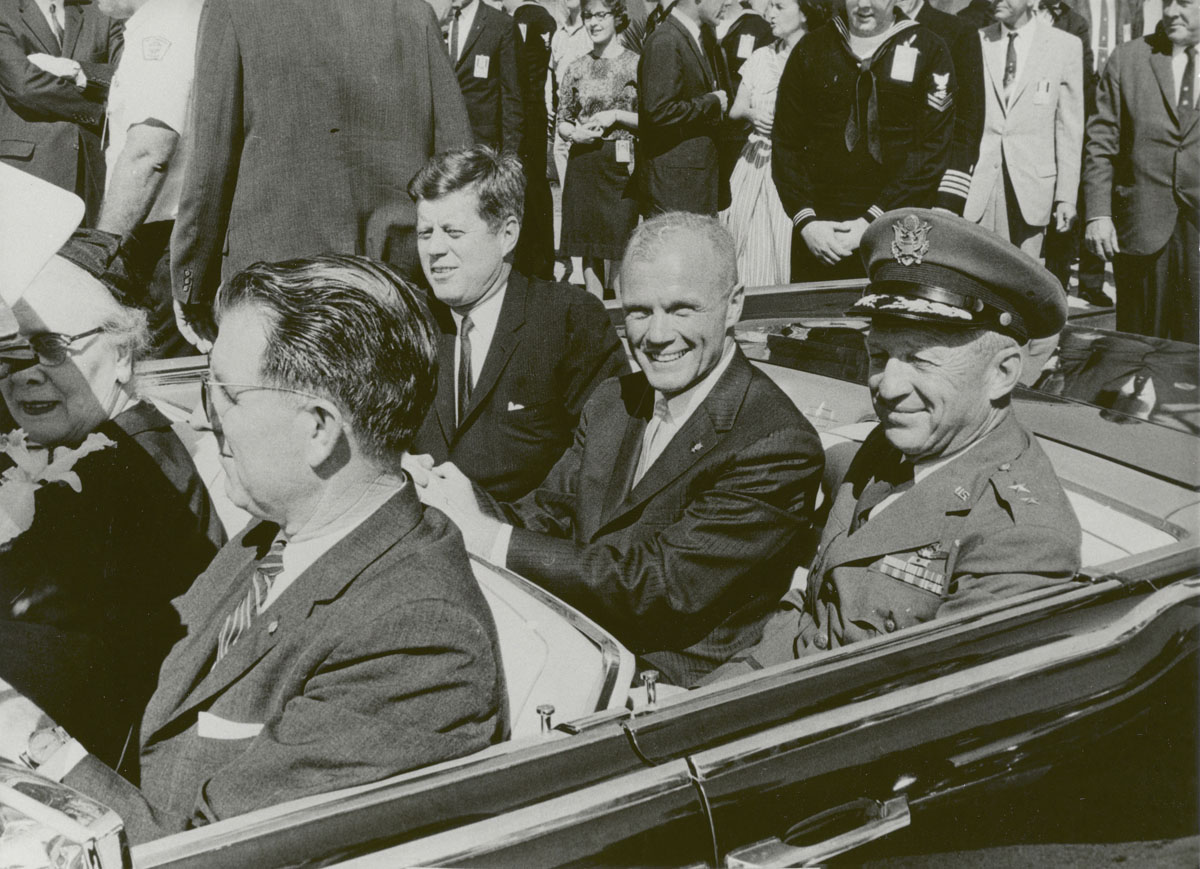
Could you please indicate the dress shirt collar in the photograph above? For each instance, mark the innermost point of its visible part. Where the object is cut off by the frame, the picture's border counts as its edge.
(484, 318)
(682, 405)
(466, 18)
(692, 27)
(1023, 29)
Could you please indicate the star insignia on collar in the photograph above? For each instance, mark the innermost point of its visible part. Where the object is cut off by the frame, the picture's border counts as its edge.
(1020, 487)
(697, 447)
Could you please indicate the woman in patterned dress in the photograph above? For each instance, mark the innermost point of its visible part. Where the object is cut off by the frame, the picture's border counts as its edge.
(597, 114)
(755, 216)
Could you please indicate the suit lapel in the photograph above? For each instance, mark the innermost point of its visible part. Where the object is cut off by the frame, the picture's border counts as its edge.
(1160, 63)
(993, 50)
(699, 434)
(74, 14)
(443, 400)
(481, 14)
(1035, 60)
(37, 24)
(694, 45)
(322, 582)
(504, 342)
(623, 453)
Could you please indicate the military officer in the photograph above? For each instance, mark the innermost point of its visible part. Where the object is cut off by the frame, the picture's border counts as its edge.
(950, 503)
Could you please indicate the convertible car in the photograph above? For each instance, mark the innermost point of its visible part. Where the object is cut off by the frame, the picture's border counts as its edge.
(920, 734)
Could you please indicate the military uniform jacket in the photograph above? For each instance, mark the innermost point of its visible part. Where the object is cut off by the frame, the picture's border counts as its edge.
(992, 523)
(816, 171)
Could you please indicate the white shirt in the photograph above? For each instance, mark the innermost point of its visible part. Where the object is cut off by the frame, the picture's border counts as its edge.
(680, 408)
(465, 19)
(484, 318)
(302, 551)
(153, 80)
(1178, 65)
(1111, 42)
(691, 26)
(60, 14)
(1023, 45)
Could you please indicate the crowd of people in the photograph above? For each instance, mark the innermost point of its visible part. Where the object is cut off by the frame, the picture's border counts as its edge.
(347, 206)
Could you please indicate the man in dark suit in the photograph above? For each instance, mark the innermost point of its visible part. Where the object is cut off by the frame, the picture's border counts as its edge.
(683, 97)
(678, 515)
(344, 632)
(483, 49)
(55, 69)
(292, 158)
(1142, 178)
(533, 350)
(949, 503)
(535, 248)
(969, 110)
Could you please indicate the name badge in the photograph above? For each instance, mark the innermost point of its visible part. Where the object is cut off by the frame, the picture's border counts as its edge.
(624, 152)
(1041, 95)
(481, 65)
(1126, 32)
(745, 45)
(904, 63)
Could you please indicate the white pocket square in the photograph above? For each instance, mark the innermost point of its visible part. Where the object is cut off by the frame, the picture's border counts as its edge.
(215, 727)
(512, 405)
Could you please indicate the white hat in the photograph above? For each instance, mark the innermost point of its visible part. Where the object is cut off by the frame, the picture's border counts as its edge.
(36, 218)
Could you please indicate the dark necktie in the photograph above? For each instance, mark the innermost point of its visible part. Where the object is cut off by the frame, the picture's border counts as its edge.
(879, 490)
(712, 50)
(1010, 63)
(55, 26)
(453, 46)
(239, 619)
(1102, 45)
(1187, 85)
(464, 367)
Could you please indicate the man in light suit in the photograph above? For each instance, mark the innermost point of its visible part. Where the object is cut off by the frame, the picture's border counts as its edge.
(681, 510)
(1028, 169)
(534, 351)
(683, 97)
(344, 632)
(483, 48)
(308, 119)
(55, 69)
(1142, 178)
(949, 503)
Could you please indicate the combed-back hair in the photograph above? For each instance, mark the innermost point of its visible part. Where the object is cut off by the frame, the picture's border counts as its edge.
(497, 179)
(664, 232)
(349, 329)
(616, 7)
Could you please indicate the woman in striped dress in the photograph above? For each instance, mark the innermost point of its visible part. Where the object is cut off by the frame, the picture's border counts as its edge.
(755, 216)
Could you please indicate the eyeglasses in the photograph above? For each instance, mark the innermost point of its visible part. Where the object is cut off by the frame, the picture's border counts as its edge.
(207, 382)
(599, 15)
(49, 349)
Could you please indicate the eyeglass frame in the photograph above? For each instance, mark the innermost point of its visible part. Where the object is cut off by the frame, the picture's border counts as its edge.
(64, 340)
(210, 413)
(601, 14)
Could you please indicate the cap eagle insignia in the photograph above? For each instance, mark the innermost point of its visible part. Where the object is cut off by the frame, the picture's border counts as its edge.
(912, 240)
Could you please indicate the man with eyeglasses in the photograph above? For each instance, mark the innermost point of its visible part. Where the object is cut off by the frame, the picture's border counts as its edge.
(343, 631)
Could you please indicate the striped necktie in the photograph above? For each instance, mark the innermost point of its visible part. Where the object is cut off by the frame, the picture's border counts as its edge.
(239, 619)
(465, 380)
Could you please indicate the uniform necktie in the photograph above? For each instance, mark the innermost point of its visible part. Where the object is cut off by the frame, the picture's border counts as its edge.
(55, 26)
(1010, 63)
(265, 571)
(654, 439)
(1102, 45)
(1187, 96)
(453, 46)
(464, 367)
(878, 491)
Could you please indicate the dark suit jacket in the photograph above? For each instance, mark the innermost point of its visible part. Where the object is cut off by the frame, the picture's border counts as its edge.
(1142, 160)
(678, 122)
(308, 120)
(48, 126)
(684, 567)
(494, 101)
(87, 618)
(991, 524)
(380, 658)
(535, 248)
(553, 345)
(967, 55)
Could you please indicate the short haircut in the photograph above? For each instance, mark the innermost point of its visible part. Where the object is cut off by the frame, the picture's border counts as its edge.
(350, 329)
(616, 7)
(816, 13)
(497, 179)
(665, 232)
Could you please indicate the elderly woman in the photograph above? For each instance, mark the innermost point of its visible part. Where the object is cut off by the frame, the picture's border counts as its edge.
(755, 216)
(120, 524)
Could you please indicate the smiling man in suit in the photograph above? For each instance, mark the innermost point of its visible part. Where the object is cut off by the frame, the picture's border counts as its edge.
(1029, 160)
(680, 511)
(56, 63)
(342, 638)
(517, 357)
(482, 42)
(1143, 177)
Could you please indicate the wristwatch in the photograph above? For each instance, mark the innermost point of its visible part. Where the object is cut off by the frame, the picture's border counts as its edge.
(42, 745)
